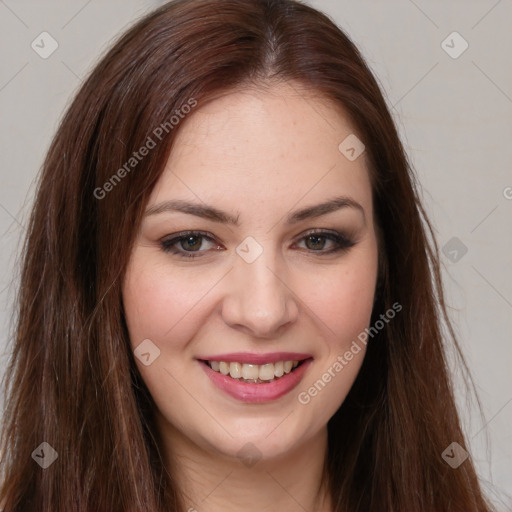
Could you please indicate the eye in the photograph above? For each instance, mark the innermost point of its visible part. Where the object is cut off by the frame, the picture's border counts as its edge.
(316, 240)
(188, 244)
(189, 241)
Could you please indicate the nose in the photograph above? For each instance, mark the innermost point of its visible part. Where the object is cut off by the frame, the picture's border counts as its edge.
(259, 301)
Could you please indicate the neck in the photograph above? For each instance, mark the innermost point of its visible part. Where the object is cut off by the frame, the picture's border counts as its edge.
(209, 480)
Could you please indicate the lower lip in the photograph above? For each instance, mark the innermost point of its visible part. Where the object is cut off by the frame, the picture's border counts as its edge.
(257, 393)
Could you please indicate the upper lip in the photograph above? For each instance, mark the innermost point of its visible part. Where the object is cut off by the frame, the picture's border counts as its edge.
(252, 358)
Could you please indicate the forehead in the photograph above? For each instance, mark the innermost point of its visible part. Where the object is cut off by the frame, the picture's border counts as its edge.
(267, 146)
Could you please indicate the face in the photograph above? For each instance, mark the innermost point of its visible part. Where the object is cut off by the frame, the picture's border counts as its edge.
(235, 271)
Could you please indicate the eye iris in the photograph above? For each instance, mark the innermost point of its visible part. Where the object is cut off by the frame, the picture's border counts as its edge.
(315, 239)
(186, 240)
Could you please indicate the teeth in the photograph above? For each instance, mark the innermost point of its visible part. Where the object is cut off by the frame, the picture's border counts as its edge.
(235, 370)
(267, 371)
(253, 372)
(250, 371)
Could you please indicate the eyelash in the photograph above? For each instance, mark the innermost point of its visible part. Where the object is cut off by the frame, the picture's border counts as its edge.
(344, 243)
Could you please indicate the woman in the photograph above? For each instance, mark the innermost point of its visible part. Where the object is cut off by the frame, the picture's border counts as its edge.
(228, 298)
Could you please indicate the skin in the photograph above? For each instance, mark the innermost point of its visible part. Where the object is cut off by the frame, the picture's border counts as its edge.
(257, 154)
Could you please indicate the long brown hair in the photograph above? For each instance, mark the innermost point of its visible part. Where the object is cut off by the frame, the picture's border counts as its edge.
(72, 381)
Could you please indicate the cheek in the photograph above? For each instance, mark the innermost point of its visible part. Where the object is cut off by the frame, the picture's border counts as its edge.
(343, 300)
(159, 303)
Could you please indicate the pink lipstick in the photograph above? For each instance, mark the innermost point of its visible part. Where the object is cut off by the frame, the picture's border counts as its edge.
(225, 372)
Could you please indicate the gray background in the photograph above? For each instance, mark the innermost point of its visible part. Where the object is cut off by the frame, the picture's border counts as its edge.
(454, 116)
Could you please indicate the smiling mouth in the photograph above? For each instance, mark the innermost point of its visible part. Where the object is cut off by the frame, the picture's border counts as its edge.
(255, 373)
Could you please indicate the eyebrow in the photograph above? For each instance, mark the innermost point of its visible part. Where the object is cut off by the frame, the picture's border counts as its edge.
(216, 215)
